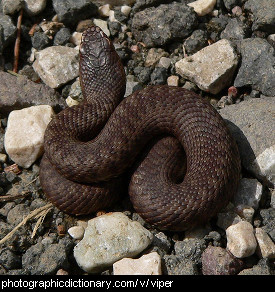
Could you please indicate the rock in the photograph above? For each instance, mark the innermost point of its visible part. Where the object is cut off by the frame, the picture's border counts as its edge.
(103, 25)
(262, 268)
(249, 193)
(229, 4)
(163, 24)
(57, 65)
(190, 248)
(266, 247)
(159, 75)
(173, 80)
(211, 68)
(148, 264)
(62, 36)
(268, 221)
(9, 260)
(109, 238)
(1, 39)
(45, 259)
(17, 214)
(203, 7)
(76, 232)
(258, 64)
(116, 2)
(218, 261)
(31, 7)
(10, 7)
(241, 241)
(9, 29)
(235, 31)
(251, 123)
(164, 62)
(153, 57)
(40, 40)
(70, 12)
(175, 265)
(263, 14)
(195, 42)
(17, 92)
(34, 7)
(24, 135)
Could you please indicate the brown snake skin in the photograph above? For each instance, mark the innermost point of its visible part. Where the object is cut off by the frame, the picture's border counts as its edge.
(184, 163)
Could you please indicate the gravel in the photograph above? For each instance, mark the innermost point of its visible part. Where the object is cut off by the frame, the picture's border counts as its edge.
(151, 36)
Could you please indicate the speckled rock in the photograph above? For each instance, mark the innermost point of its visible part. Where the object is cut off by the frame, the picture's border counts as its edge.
(218, 261)
(57, 65)
(160, 25)
(109, 238)
(211, 68)
(18, 92)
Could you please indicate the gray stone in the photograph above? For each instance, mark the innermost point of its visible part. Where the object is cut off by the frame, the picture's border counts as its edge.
(9, 29)
(229, 4)
(196, 42)
(257, 67)
(9, 259)
(190, 248)
(268, 221)
(71, 11)
(211, 68)
(45, 259)
(235, 31)
(11, 6)
(161, 25)
(34, 7)
(17, 214)
(262, 268)
(175, 265)
(249, 193)
(252, 125)
(40, 40)
(109, 238)
(17, 92)
(263, 14)
(62, 36)
(57, 65)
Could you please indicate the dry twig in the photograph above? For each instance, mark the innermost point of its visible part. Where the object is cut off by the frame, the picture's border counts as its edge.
(17, 42)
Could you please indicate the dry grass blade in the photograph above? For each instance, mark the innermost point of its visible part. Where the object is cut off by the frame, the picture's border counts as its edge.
(34, 214)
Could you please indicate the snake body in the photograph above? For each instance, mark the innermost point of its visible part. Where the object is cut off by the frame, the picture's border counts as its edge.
(184, 162)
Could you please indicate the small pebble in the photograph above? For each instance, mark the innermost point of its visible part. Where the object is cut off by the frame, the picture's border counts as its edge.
(149, 264)
(76, 232)
(241, 241)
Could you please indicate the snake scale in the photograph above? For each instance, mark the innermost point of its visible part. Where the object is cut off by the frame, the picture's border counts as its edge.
(183, 161)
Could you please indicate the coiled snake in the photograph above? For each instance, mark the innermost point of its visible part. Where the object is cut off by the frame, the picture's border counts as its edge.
(184, 163)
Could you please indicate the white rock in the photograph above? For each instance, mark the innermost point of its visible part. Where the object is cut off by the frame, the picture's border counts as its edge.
(249, 193)
(70, 101)
(76, 38)
(76, 232)
(109, 238)
(241, 241)
(103, 25)
(104, 10)
(57, 65)
(125, 9)
(266, 247)
(203, 7)
(211, 68)
(149, 264)
(173, 80)
(24, 136)
(34, 7)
